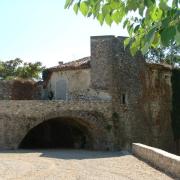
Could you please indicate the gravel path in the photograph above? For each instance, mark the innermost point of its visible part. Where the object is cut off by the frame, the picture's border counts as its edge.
(74, 165)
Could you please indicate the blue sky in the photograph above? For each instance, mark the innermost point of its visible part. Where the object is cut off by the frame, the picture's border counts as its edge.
(41, 30)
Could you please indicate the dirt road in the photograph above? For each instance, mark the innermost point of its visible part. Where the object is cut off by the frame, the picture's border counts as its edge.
(74, 165)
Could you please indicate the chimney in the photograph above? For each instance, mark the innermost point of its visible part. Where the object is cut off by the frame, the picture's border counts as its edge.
(60, 62)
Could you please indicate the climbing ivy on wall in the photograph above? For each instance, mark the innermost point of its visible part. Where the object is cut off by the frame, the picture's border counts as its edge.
(176, 103)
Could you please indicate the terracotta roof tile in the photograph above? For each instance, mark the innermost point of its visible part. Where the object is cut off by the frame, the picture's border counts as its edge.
(83, 63)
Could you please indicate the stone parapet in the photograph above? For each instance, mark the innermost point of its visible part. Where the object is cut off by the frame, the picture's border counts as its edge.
(31, 106)
(163, 160)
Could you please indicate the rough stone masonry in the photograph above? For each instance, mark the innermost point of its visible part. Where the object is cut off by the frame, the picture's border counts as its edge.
(138, 111)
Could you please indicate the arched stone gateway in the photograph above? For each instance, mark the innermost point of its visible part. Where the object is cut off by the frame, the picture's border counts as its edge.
(63, 132)
(56, 124)
(66, 129)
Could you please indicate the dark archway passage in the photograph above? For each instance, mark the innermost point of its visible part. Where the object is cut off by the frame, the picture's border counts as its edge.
(57, 133)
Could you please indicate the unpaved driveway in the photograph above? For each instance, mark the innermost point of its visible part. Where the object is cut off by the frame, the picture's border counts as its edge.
(74, 165)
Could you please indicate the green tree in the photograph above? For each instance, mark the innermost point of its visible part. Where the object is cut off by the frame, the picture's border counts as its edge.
(150, 23)
(18, 69)
(8, 68)
(173, 55)
(169, 55)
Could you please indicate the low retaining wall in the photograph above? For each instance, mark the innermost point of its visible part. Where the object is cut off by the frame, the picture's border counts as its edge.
(163, 160)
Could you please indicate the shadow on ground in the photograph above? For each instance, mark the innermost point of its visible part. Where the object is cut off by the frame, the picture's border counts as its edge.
(82, 154)
(68, 154)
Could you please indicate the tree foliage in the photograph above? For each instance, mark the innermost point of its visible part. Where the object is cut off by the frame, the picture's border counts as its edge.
(169, 55)
(18, 69)
(150, 23)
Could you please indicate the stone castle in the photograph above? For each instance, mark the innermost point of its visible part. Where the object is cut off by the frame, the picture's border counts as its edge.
(106, 102)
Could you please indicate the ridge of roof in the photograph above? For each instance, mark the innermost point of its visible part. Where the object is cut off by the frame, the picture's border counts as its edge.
(83, 63)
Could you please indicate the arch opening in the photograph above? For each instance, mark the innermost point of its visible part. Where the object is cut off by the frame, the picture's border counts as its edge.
(58, 133)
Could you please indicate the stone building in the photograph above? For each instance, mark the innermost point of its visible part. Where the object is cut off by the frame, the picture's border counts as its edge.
(72, 81)
(106, 101)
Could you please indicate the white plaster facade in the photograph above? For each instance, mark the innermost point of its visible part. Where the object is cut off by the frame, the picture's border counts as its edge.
(78, 85)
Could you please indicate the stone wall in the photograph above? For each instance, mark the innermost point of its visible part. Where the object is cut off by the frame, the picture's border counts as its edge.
(5, 90)
(19, 90)
(102, 53)
(158, 103)
(162, 160)
(127, 92)
(17, 118)
(76, 80)
(138, 107)
(77, 84)
(141, 100)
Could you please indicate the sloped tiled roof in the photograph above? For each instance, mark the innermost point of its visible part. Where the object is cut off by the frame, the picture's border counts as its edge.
(83, 63)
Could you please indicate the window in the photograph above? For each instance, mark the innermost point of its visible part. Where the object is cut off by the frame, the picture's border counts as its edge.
(124, 98)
